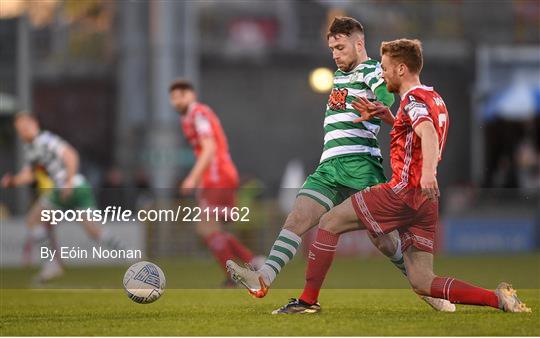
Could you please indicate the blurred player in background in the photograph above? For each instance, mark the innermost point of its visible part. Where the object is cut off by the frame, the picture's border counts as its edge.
(44, 186)
(214, 174)
(409, 202)
(43, 149)
(351, 161)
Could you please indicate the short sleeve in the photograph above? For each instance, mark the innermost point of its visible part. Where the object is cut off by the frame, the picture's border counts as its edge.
(202, 125)
(374, 78)
(52, 143)
(417, 110)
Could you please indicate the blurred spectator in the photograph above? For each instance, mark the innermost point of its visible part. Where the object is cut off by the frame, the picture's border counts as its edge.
(512, 157)
(144, 197)
(528, 165)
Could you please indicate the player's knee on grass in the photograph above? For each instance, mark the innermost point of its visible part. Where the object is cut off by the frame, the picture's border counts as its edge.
(420, 281)
(419, 266)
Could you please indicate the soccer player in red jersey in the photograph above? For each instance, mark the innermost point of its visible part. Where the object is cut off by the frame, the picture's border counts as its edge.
(409, 202)
(214, 173)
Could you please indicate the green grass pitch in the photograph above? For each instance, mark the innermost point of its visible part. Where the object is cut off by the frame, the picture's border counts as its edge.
(363, 297)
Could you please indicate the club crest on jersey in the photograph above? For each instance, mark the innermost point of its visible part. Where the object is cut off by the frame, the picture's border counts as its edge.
(338, 99)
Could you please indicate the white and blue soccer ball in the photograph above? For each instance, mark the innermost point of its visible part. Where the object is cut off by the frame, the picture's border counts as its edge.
(144, 282)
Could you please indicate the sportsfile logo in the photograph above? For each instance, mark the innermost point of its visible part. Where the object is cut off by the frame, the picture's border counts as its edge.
(111, 213)
(119, 214)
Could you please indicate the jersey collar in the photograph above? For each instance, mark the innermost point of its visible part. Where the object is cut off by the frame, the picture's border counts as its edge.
(416, 87)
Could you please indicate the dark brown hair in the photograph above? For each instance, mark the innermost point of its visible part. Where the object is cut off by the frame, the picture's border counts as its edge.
(344, 25)
(181, 84)
(405, 51)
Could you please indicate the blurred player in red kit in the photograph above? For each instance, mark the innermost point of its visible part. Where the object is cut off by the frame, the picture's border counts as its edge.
(214, 174)
(409, 202)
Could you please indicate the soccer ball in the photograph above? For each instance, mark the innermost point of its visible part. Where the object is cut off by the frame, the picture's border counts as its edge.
(144, 282)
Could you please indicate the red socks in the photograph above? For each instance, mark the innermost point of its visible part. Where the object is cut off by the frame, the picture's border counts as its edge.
(321, 255)
(460, 292)
(225, 246)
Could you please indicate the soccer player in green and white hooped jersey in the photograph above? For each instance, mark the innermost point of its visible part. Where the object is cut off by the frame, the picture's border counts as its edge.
(71, 190)
(342, 136)
(350, 162)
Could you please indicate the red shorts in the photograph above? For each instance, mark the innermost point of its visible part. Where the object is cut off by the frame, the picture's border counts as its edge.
(217, 197)
(218, 189)
(382, 211)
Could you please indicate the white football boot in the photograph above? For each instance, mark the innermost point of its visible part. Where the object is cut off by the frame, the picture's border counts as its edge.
(508, 300)
(252, 280)
(439, 304)
(50, 271)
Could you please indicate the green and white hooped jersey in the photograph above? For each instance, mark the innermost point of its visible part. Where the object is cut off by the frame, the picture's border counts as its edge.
(341, 135)
(45, 151)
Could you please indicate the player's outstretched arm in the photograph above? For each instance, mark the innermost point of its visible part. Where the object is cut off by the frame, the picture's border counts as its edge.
(368, 110)
(386, 98)
(430, 154)
(24, 176)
